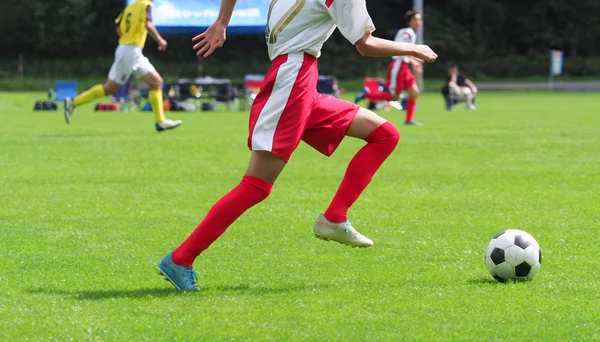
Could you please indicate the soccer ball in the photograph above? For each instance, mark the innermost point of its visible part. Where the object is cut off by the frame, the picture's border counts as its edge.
(513, 255)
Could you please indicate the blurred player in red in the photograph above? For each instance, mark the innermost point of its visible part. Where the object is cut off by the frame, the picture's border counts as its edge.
(400, 77)
(288, 109)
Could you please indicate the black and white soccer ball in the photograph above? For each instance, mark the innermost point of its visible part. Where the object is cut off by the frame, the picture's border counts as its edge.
(513, 255)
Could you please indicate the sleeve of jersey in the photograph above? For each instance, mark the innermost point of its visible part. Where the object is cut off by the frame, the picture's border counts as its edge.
(351, 18)
(149, 13)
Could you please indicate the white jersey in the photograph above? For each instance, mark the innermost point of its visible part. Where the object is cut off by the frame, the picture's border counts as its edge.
(304, 25)
(405, 35)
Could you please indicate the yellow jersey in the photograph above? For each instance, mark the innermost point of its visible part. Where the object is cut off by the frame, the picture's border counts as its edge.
(132, 22)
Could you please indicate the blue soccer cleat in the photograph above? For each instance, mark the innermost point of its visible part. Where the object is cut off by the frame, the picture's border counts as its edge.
(183, 278)
(361, 95)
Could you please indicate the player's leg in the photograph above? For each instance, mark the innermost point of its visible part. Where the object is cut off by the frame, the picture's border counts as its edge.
(262, 172)
(413, 93)
(256, 185)
(330, 121)
(119, 73)
(382, 137)
(95, 92)
(277, 120)
(155, 96)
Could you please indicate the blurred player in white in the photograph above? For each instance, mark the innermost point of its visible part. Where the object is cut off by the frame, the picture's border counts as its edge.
(288, 109)
(400, 77)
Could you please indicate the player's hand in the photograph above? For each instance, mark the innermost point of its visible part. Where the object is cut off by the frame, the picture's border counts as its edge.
(418, 67)
(209, 40)
(425, 53)
(162, 45)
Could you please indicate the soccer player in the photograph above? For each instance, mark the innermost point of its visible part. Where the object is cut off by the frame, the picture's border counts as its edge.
(459, 88)
(288, 109)
(400, 78)
(133, 25)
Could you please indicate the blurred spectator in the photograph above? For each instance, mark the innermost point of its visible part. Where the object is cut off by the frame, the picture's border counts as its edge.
(458, 88)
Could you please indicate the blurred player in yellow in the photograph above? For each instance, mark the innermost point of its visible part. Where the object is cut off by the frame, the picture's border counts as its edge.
(133, 25)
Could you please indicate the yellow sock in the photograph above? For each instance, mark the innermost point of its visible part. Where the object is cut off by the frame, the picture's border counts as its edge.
(89, 95)
(156, 99)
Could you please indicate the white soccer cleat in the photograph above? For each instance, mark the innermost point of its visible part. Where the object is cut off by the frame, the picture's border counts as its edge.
(167, 124)
(396, 105)
(341, 232)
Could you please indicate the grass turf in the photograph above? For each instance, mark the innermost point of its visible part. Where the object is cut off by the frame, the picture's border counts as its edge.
(88, 209)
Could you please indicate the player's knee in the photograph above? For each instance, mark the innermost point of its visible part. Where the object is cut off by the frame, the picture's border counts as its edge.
(386, 135)
(110, 89)
(155, 82)
(393, 135)
(258, 189)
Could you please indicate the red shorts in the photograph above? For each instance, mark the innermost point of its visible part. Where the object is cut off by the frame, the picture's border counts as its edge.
(288, 109)
(399, 77)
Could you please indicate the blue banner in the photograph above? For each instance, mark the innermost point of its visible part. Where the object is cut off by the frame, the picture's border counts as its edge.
(194, 16)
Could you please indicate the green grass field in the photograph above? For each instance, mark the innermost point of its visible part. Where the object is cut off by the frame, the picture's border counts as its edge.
(88, 209)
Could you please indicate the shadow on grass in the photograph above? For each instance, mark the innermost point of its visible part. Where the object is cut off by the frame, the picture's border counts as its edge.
(260, 290)
(171, 292)
(109, 294)
(484, 281)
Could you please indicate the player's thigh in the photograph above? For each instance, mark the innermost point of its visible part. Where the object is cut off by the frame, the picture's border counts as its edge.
(364, 122)
(281, 110)
(144, 69)
(332, 119)
(328, 123)
(120, 71)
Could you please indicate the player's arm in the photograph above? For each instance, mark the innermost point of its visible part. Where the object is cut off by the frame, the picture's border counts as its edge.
(355, 24)
(215, 36)
(471, 85)
(162, 44)
(369, 46)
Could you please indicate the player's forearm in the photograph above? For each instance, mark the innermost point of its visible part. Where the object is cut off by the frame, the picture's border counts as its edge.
(153, 32)
(377, 47)
(226, 11)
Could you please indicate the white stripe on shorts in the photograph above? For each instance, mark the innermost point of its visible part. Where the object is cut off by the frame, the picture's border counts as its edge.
(264, 130)
(394, 76)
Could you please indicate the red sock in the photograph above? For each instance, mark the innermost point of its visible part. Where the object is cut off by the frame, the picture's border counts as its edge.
(249, 192)
(380, 144)
(378, 96)
(410, 109)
